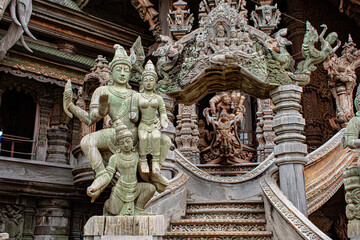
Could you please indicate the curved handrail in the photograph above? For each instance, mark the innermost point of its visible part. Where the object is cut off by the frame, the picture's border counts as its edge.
(325, 149)
(184, 162)
(324, 169)
(303, 226)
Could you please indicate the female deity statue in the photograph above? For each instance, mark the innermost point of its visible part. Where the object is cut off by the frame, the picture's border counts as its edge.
(114, 99)
(149, 128)
(128, 196)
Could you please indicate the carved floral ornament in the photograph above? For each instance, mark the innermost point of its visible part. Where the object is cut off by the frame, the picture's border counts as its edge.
(226, 49)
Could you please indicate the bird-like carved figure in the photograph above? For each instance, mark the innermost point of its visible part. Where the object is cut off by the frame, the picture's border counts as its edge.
(20, 12)
(311, 54)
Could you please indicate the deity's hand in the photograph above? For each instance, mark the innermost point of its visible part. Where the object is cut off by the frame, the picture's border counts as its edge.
(104, 105)
(67, 99)
(164, 123)
(93, 193)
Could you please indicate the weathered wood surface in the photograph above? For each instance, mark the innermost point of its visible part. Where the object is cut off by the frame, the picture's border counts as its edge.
(106, 226)
(35, 171)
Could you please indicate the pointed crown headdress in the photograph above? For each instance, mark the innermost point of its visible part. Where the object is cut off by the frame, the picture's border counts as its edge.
(149, 70)
(121, 130)
(120, 57)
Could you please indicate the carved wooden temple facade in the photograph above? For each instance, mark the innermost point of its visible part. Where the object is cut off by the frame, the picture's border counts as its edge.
(224, 120)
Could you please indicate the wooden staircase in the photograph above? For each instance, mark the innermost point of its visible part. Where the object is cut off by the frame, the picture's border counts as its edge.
(227, 220)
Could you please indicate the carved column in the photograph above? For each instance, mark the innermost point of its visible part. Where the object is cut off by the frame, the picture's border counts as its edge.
(290, 149)
(260, 134)
(58, 150)
(269, 135)
(352, 197)
(187, 133)
(52, 219)
(264, 131)
(29, 219)
(41, 149)
(58, 135)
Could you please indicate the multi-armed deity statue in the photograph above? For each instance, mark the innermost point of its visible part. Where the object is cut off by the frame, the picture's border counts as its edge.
(225, 112)
(132, 140)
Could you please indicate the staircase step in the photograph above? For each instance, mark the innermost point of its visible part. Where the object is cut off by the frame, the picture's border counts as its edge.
(250, 204)
(215, 225)
(223, 235)
(218, 221)
(225, 220)
(227, 215)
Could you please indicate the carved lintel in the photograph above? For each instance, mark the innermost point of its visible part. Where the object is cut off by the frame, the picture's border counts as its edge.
(266, 17)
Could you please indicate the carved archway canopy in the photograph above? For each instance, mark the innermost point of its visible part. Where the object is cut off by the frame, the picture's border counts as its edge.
(226, 53)
(222, 78)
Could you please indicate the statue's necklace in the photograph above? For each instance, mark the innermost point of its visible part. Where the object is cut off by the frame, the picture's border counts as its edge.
(123, 157)
(122, 95)
(147, 97)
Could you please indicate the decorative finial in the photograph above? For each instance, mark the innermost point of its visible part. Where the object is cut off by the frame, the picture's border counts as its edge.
(120, 57)
(150, 70)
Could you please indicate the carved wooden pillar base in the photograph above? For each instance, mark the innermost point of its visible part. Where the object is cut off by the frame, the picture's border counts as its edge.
(290, 149)
(58, 145)
(52, 219)
(352, 197)
(125, 228)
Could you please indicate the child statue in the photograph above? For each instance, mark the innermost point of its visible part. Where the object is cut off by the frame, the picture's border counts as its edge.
(128, 196)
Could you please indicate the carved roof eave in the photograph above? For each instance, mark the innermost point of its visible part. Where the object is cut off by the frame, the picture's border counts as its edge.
(82, 28)
(222, 78)
(43, 71)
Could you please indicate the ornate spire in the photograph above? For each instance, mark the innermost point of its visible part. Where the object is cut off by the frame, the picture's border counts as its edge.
(120, 57)
(150, 70)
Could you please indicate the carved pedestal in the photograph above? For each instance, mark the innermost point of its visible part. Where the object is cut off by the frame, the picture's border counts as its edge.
(290, 149)
(125, 228)
(58, 145)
